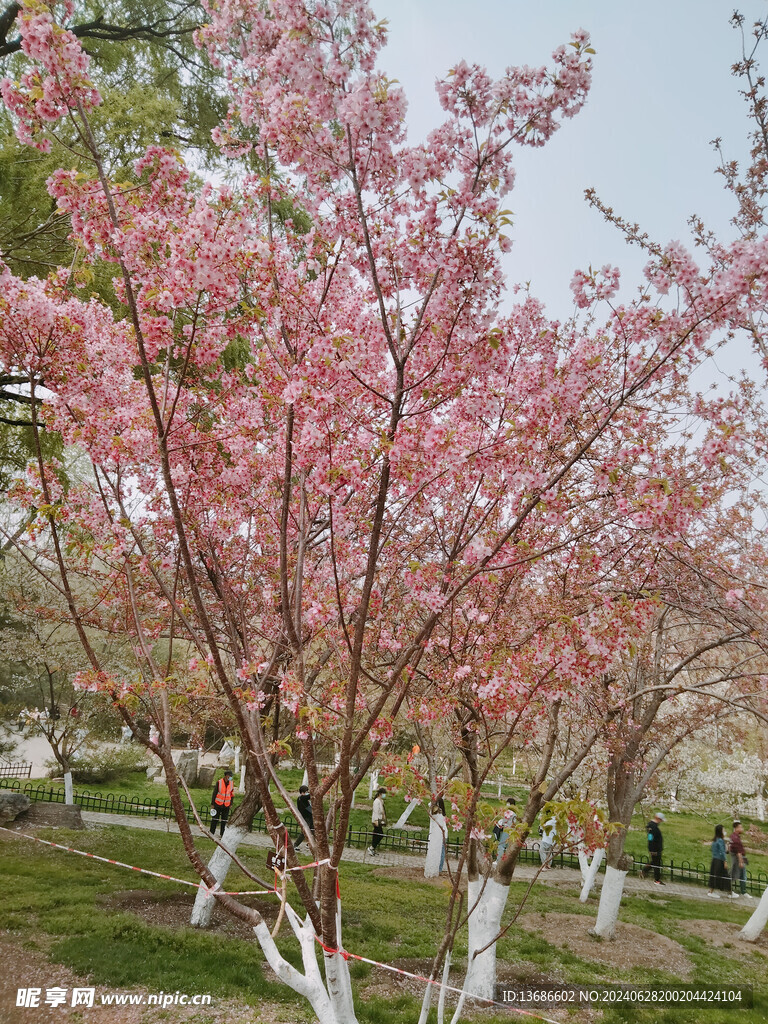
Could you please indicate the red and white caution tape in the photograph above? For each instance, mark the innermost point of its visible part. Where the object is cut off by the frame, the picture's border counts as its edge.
(132, 867)
(314, 864)
(208, 892)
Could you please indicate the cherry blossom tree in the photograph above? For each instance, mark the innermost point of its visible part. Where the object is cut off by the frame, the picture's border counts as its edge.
(314, 452)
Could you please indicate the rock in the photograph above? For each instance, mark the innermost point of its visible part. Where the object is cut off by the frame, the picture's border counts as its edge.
(226, 754)
(52, 816)
(155, 768)
(12, 805)
(205, 776)
(186, 764)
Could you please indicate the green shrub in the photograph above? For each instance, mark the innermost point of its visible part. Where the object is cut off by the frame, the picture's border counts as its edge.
(103, 765)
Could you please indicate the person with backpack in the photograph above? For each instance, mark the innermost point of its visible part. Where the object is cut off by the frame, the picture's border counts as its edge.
(655, 846)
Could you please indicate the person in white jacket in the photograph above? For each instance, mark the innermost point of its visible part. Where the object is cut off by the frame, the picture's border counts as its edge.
(546, 845)
(379, 819)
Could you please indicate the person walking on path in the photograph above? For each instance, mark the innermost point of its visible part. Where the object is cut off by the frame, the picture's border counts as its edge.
(738, 862)
(719, 878)
(379, 819)
(504, 826)
(221, 802)
(655, 846)
(547, 843)
(304, 807)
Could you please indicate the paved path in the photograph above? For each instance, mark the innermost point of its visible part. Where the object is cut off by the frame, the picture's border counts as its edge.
(524, 872)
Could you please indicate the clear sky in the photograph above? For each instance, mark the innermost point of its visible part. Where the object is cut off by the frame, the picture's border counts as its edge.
(662, 90)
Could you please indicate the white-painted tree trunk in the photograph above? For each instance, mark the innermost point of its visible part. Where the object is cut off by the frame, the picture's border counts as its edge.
(583, 863)
(444, 989)
(753, 929)
(331, 1001)
(69, 793)
(610, 901)
(218, 865)
(373, 782)
(410, 807)
(591, 875)
(338, 980)
(437, 837)
(241, 787)
(485, 906)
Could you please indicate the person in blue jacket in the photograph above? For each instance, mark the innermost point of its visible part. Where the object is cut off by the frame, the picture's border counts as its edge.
(719, 876)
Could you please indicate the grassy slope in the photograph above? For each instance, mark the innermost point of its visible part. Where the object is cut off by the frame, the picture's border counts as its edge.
(54, 899)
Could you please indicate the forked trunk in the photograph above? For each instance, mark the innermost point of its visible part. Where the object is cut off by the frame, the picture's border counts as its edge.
(331, 1000)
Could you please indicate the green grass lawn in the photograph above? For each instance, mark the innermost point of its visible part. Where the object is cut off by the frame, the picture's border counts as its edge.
(60, 903)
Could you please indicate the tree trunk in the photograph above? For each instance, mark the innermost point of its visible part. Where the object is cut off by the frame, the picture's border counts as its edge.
(337, 979)
(613, 886)
(591, 873)
(486, 905)
(437, 836)
(332, 1001)
(218, 865)
(753, 929)
(610, 901)
(69, 796)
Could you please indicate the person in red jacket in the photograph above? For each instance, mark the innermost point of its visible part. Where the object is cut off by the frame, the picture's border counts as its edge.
(738, 862)
(221, 801)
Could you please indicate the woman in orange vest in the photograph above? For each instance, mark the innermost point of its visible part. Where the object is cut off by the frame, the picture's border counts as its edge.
(221, 801)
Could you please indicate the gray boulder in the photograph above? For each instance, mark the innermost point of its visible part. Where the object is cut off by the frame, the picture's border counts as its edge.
(206, 776)
(51, 815)
(186, 765)
(11, 805)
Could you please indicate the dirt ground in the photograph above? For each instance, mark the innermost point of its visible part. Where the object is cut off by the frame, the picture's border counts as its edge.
(24, 967)
(173, 910)
(631, 946)
(25, 964)
(725, 935)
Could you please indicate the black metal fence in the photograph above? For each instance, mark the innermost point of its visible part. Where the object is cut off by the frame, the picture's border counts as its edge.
(15, 770)
(393, 841)
(684, 871)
